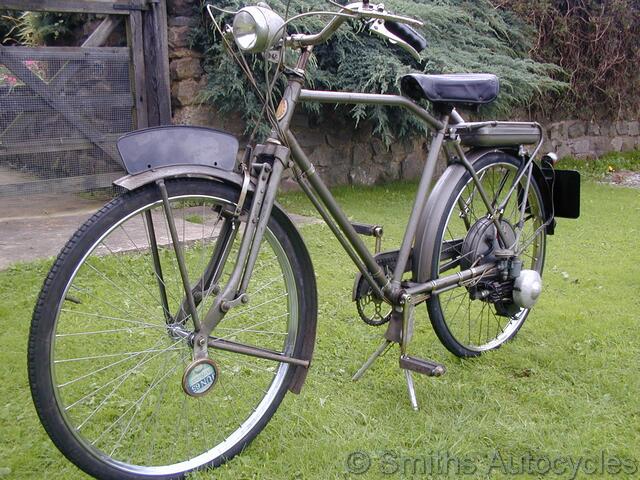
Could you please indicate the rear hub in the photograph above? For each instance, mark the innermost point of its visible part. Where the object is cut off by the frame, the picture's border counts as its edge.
(510, 288)
(481, 244)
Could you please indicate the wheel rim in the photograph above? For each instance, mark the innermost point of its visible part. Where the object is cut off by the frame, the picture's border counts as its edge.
(475, 324)
(128, 409)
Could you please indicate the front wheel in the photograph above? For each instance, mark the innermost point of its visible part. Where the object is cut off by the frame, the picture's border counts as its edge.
(474, 317)
(109, 339)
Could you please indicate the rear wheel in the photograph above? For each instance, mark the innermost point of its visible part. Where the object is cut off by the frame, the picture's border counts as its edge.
(461, 236)
(107, 353)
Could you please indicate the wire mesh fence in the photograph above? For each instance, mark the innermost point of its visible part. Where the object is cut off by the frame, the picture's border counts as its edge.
(61, 112)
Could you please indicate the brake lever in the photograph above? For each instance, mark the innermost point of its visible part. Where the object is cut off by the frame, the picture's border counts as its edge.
(378, 12)
(377, 26)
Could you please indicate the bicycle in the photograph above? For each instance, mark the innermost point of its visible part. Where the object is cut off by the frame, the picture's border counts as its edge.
(175, 320)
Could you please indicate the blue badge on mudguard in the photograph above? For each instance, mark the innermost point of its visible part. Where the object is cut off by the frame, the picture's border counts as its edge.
(200, 377)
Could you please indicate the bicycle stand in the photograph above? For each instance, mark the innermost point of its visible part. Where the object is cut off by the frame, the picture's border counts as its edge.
(400, 331)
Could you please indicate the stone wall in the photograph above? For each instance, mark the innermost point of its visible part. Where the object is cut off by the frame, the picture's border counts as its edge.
(343, 154)
(592, 139)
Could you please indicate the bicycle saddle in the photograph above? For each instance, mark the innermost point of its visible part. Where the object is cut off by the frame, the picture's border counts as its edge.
(455, 89)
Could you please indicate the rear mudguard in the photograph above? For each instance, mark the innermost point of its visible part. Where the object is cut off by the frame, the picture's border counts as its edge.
(435, 205)
(161, 153)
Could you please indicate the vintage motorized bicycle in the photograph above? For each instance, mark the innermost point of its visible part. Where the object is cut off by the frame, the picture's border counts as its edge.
(175, 320)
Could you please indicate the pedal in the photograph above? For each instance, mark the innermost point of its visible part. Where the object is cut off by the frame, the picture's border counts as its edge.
(419, 365)
(371, 231)
(366, 229)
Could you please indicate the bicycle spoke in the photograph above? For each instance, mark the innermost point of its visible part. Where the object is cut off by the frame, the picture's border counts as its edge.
(109, 317)
(141, 253)
(136, 404)
(117, 359)
(108, 355)
(124, 379)
(102, 369)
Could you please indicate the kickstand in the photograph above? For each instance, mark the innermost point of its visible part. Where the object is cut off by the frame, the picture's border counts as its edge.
(412, 389)
(400, 331)
(407, 334)
(385, 344)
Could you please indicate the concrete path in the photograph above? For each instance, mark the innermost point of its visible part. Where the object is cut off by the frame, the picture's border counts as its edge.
(40, 205)
(23, 240)
(42, 236)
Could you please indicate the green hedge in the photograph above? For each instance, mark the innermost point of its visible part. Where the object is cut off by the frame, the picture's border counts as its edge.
(464, 36)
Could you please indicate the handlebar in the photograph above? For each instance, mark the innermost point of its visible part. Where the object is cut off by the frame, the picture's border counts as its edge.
(407, 34)
(394, 27)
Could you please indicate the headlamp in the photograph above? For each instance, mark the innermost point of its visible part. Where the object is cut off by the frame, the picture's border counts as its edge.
(256, 28)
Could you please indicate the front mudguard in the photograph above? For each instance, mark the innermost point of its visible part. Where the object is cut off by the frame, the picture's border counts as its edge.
(131, 182)
(157, 153)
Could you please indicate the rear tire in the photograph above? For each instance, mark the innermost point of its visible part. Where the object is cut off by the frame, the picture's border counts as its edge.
(469, 327)
(105, 368)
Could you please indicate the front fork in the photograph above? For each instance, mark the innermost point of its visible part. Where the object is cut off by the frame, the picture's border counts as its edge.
(234, 292)
(270, 163)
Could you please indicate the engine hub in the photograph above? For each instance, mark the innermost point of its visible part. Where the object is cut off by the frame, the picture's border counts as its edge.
(511, 288)
(481, 243)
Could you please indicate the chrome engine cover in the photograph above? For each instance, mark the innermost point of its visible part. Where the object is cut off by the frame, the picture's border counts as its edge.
(527, 288)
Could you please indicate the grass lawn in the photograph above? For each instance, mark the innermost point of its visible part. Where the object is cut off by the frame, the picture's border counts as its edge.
(564, 395)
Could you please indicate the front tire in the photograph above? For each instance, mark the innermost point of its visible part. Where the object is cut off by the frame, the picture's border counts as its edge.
(105, 364)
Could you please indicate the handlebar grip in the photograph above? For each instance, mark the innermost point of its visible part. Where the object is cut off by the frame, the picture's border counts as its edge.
(408, 34)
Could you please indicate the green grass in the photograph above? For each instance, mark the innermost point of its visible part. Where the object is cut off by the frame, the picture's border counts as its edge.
(194, 219)
(568, 386)
(597, 168)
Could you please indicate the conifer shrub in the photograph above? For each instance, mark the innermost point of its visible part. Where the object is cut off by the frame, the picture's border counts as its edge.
(463, 36)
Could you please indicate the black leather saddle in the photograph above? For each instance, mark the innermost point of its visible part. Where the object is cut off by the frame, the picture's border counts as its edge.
(454, 89)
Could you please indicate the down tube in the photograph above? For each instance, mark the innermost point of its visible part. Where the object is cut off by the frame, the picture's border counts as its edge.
(309, 171)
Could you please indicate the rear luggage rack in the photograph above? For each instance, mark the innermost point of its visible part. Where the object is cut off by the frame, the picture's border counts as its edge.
(498, 134)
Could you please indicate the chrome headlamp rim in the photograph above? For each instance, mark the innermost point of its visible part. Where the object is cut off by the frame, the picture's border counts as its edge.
(245, 30)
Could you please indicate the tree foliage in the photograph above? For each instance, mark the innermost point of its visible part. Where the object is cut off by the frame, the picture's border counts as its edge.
(464, 36)
(41, 28)
(597, 42)
(8, 21)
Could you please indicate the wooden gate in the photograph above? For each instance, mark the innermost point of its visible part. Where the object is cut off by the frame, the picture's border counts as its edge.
(63, 108)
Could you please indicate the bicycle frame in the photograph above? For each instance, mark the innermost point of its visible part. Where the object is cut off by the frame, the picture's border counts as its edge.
(283, 151)
(233, 205)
